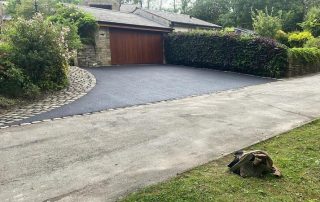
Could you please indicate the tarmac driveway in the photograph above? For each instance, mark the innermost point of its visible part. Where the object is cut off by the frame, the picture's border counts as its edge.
(103, 156)
(121, 86)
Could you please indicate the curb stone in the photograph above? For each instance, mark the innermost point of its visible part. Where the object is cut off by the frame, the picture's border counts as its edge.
(81, 82)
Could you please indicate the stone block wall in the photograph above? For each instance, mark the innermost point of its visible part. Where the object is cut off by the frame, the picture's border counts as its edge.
(98, 54)
(298, 69)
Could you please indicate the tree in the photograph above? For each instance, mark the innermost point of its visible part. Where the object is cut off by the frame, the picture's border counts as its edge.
(80, 23)
(312, 21)
(266, 24)
(26, 8)
(238, 12)
(185, 6)
(209, 10)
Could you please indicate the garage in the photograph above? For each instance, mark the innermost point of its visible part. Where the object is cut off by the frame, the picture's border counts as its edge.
(135, 47)
(122, 39)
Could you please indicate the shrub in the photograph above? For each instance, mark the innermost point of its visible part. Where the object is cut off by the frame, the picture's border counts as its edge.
(252, 55)
(303, 61)
(312, 21)
(14, 83)
(305, 55)
(282, 37)
(266, 24)
(313, 43)
(84, 24)
(6, 103)
(298, 39)
(40, 50)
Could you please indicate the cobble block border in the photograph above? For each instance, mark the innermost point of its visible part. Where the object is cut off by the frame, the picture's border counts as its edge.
(81, 82)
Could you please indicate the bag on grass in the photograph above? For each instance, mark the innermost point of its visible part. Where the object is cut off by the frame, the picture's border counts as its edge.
(253, 164)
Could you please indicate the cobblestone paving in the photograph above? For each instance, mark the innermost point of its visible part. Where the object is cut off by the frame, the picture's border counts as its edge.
(81, 82)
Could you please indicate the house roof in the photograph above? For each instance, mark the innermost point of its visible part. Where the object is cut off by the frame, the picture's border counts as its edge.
(110, 16)
(128, 8)
(180, 18)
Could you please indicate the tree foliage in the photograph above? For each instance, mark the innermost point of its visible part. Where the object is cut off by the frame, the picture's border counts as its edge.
(238, 12)
(27, 8)
(81, 23)
(266, 24)
(312, 21)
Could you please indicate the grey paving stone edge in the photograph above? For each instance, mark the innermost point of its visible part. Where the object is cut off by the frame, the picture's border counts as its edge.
(81, 82)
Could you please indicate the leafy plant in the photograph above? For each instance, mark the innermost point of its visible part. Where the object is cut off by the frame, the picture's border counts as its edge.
(305, 55)
(312, 21)
(312, 43)
(282, 37)
(298, 39)
(14, 83)
(27, 8)
(39, 48)
(80, 23)
(246, 54)
(266, 24)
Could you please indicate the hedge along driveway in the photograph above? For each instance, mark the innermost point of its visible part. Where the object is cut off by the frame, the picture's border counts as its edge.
(245, 54)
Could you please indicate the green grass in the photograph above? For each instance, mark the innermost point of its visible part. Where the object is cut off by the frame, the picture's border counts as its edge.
(296, 154)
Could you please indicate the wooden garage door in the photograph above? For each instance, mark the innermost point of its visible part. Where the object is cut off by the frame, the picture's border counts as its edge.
(136, 47)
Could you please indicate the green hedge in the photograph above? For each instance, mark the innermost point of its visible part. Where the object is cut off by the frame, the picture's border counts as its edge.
(305, 55)
(303, 61)
(245, 54)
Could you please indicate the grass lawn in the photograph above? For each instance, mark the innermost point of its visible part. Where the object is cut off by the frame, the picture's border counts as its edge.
(296, 154)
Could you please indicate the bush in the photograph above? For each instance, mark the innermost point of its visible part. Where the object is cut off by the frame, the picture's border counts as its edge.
(282, 37)
(6, 103)
(252, 55)
(305, 55)
(85, 24)
(14, 83)
(312, 21)
(40, 50)
(266, 24)
(313, 43)
(303, 61)
(298, 39)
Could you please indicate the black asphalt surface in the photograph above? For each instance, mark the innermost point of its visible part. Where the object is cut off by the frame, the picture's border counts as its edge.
(121, 86)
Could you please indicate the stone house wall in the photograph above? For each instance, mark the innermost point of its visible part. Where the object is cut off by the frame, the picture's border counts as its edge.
(98, 54)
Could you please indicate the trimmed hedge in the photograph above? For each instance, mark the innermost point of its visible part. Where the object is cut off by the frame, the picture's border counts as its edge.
(305, 55)
(245, 54)
(303, 61)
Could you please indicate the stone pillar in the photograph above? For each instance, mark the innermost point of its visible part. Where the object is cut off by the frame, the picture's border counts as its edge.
(98, 54)
(103, 47)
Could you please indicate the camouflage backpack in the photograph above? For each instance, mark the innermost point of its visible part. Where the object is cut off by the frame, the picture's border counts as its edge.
(253, 164)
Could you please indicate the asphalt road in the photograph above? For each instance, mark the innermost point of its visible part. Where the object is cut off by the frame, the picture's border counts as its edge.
(121, 86)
